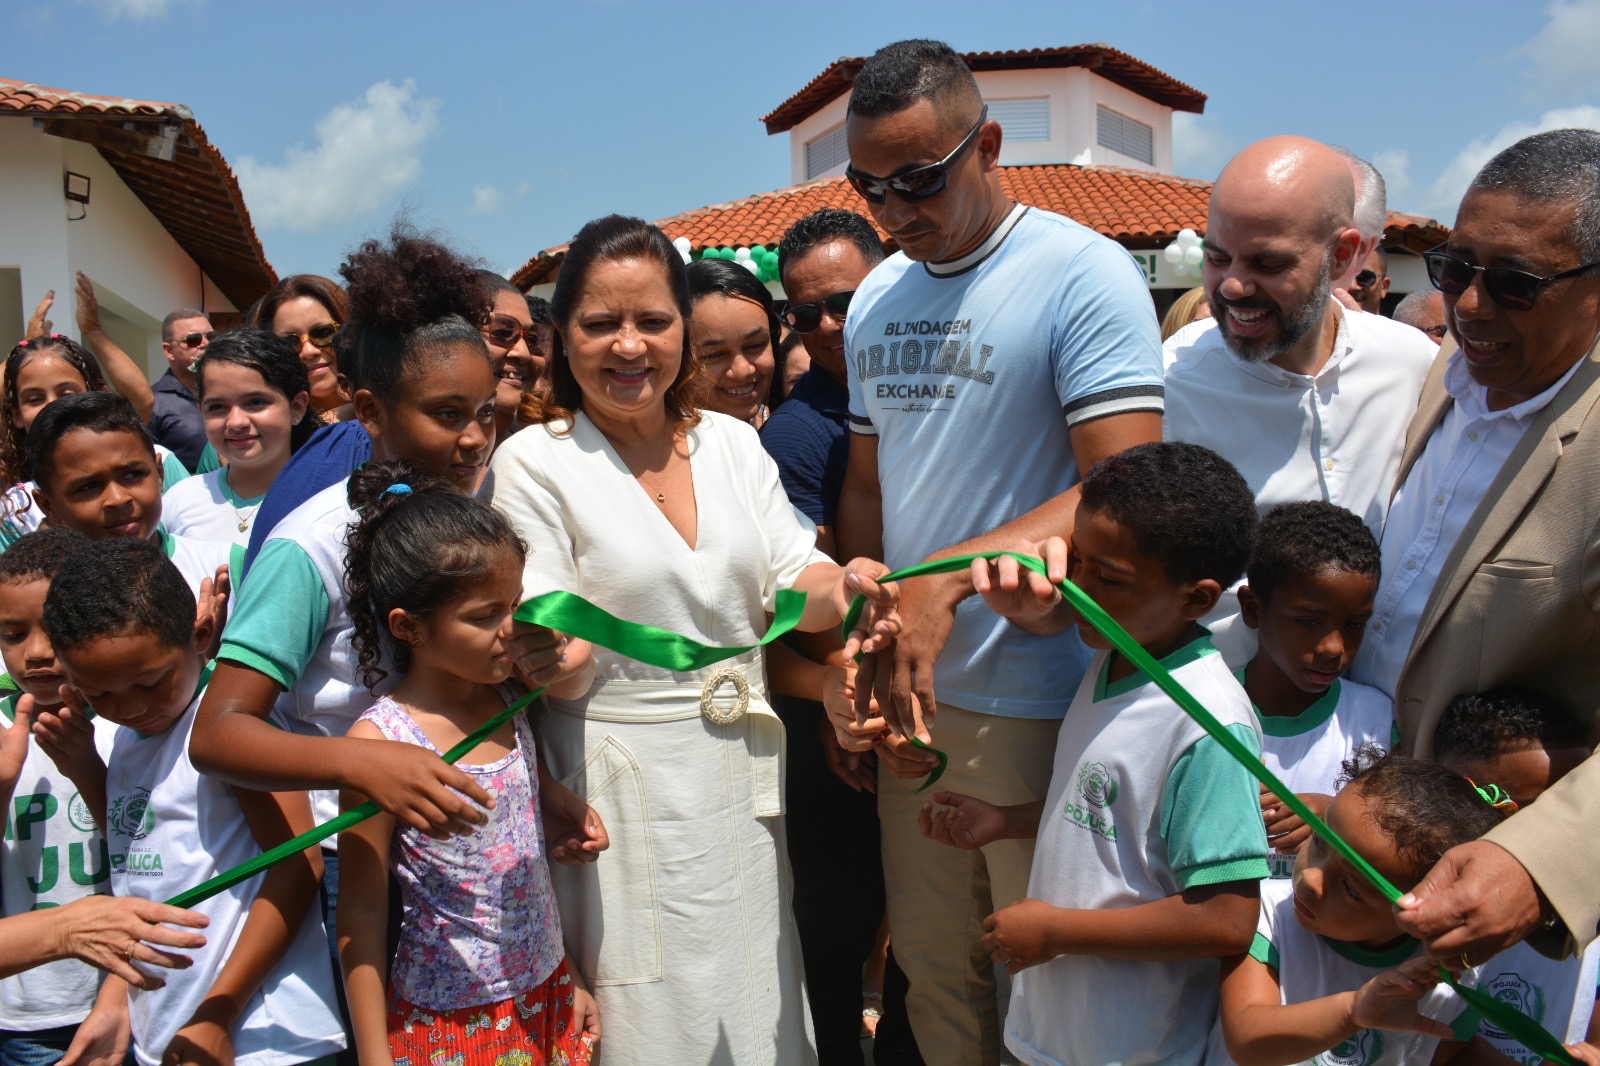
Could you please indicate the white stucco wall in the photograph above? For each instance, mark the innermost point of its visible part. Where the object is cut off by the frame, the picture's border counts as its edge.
(138, 270)
(1073, 93)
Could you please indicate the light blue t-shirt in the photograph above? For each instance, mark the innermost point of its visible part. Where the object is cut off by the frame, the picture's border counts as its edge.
(970, 374)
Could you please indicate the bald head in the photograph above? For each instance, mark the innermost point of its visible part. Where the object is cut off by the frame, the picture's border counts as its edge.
(1303, 182)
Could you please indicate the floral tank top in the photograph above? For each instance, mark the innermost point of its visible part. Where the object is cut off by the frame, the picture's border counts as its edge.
(478, 916)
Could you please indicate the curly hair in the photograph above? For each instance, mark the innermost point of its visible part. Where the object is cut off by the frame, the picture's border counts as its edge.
(1185, 506)
(116, 587)
(38, 556)
(416, 549)
(1478, 729)
(408, 299)
(96, 412)
(1423, 808)
(1296, 540)
(612, 239)
(13, 443)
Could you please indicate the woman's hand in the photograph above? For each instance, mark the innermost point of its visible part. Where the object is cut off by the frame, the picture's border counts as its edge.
(574, 833)
(851, 732)
(545, 657)
(113, 933)
(880, 622)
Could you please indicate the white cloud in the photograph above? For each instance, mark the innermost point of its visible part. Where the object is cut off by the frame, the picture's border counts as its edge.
(1395, 166)
(1198, 148)
(1563, 53)
(489, 200)
(366, 151)
(1444, 195)
(139, 10)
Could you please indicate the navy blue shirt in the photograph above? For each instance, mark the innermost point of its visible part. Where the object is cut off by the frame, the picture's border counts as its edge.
(175, 420)
(331, 455)
(806, 436)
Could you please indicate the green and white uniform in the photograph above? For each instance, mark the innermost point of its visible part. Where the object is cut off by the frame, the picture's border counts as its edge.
(52, 854)
(205, 507)
(1307, 750)
(1142, 805)
(1310, 967)
(1559, 995)
(171, 829)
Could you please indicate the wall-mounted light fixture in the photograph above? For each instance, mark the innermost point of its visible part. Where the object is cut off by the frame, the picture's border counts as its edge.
(75, 187)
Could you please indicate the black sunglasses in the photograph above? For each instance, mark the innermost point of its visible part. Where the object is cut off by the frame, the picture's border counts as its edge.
(917, 184)
(191, 340)
(1366, 279)
(806, 318)
(1515, 290)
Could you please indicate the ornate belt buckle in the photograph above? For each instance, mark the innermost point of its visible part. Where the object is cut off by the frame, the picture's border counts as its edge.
(722, 715)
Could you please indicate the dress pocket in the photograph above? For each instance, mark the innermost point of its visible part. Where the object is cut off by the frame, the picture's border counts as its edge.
(610, 911)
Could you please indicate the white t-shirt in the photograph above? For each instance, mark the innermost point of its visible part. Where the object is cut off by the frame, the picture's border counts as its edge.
(205, 507)
(1312, 967)
(1307, 751)
(171, 829)
(1559, 995)
(52, 854)
(1142, 805)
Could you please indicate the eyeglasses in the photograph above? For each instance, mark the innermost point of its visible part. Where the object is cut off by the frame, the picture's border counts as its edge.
(807, 318)
(1436, 332)
(503, 331)
(1366, 279)
(317, 336)
(917, 184)
(194, 340)
(1515, 290)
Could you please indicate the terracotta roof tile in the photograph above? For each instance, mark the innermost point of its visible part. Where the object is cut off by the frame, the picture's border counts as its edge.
(1108, 62)
(1133, 207)
(194, 196)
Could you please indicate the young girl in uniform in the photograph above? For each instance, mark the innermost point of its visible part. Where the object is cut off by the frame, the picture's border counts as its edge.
(253, 398)
(481, 968)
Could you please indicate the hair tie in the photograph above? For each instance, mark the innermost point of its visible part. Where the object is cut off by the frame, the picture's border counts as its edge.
(399, 488)
(1494, 796)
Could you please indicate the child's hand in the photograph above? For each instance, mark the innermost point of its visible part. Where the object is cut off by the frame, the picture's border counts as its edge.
(203, 1042)
(585, 1014)
(1017, 594)
(212, 605)
(963, 822)
(418, 788)
(1020, 936)
(879, 624)
(14, 745)
(857, 770)
(102, 1037)
(573, 831)
(1389, 1000)
(1587, 1054)
(1285, 830)
(67, 735)
(904, 759)
(850, 731)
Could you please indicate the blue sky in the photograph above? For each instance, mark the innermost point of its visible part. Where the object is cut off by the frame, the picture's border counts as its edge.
(505, 126)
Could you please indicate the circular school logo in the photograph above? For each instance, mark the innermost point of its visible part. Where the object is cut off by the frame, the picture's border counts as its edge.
(1516, 991)
(1362, 1046)
(131, 816)
(1099, 788)
(79, 815)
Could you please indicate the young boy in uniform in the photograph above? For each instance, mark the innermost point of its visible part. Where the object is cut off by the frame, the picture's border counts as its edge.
(260, 993)
(1150, 841)
(1308, 595)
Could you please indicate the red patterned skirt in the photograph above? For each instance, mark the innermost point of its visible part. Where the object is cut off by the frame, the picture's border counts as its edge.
(530, 1029)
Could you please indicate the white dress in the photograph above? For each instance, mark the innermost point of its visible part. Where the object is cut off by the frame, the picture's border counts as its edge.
(684, 927)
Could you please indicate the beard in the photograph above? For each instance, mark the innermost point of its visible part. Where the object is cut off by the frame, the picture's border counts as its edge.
(1293, 325)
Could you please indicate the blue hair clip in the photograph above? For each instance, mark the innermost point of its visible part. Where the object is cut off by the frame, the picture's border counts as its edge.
(399, 488)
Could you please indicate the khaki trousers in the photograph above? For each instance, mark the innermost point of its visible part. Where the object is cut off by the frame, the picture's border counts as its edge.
(938, 896)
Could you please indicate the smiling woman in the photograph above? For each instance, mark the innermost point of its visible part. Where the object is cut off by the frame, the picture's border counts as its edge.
(307, 310)
(733, 333)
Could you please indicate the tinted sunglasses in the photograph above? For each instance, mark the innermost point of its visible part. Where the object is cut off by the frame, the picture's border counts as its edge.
(806, 318)
(1515, 290)
(918, 184)
(1366, 279)
(317, 336)
(192, 340)
(503, 331)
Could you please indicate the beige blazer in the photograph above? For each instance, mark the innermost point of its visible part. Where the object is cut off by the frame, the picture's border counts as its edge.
(1518, 602)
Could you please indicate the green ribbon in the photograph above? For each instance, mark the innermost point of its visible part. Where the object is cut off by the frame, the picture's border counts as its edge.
(1507, 1018)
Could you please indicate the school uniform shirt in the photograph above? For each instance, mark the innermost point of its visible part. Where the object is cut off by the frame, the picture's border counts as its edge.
(329, 458)
(205, 507)
(170, 828)
(1307, 750)
(1312, 967)
(196, 560)
(1143, 804)
(291, 622)
(52, 854)
(22, 514)
(1559, 994)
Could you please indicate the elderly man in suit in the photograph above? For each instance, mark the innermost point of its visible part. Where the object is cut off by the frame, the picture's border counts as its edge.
(1491, 554)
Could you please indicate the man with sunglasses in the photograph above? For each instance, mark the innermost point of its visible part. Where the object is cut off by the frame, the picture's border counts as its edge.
(998, 354)
(176, 423)
(1371, 283)
(1424, 310)
(1491, 576)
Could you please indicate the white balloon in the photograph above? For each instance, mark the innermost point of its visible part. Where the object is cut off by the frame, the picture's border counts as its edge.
(1188, 237)
(681, 244)
(1192, 255)
(684, 252)
(1173, 254)
(741, 255)
(750, 265)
